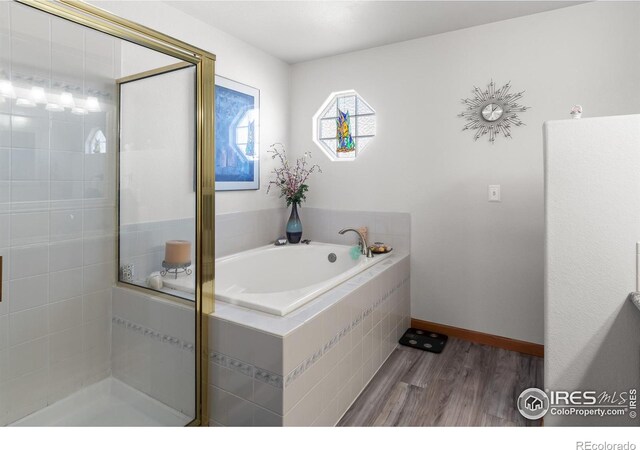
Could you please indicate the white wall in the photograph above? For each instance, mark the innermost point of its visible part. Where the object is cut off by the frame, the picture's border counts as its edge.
(592, 332)
(475, 264)
(238, 61)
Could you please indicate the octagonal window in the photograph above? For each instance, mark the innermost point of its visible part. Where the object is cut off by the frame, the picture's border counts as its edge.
(344, 125)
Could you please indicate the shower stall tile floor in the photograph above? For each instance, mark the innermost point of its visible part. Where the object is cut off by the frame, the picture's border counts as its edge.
(107, 403)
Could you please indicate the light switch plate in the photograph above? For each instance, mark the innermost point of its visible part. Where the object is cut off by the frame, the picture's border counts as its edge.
(494, 193)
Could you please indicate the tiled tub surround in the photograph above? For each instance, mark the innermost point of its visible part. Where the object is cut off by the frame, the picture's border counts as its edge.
(240, 231)
(153, 347)
(57, 211)
(306, 368)
(322, 225)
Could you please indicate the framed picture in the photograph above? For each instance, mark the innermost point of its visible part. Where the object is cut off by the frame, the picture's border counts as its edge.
(237, 135)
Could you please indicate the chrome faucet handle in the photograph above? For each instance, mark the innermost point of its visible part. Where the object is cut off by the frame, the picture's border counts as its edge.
(365, 250)
(362, 241)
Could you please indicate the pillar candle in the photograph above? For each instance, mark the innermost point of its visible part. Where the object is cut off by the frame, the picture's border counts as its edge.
(177, 252)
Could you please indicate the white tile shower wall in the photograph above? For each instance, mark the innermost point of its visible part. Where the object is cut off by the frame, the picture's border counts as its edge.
(311, 375)
(56, 218)
(319, 224)
(153, 347)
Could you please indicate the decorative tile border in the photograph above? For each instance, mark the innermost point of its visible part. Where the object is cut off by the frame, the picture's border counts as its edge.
(279, 381)
(269, 378)
(246, 369)
(313, 358)
(250, 370)
(153, 334)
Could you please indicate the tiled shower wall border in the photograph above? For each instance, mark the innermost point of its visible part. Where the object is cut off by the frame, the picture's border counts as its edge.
(246, 369)
(153, 334)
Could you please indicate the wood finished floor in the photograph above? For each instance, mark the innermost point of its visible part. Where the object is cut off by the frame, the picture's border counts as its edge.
(466, 385)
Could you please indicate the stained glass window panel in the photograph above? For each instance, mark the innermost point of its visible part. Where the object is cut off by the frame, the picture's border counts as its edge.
(365, 125)
(331, 111)
(344, 125)
(363, 108)
(362, 141)
(328, 128)
(348, 105)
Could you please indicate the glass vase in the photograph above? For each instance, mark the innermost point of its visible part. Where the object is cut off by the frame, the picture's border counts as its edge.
(294, 226)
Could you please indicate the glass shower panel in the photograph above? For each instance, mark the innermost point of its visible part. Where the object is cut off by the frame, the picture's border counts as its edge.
(76, 348)
(157, 180)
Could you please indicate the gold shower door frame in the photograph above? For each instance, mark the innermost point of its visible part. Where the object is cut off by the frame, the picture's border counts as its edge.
(105, 22)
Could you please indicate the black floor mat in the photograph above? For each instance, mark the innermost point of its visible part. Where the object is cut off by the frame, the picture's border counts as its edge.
(424, 340)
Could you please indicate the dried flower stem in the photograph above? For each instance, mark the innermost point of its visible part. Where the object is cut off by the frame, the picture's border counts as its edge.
(291, 181)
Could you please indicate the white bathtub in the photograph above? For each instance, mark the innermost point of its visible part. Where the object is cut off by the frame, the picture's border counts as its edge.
(278, 280)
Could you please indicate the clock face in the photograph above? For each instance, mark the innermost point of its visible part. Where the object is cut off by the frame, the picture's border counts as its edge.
(492, 112)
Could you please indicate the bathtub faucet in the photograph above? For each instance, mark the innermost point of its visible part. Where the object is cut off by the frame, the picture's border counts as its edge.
(364, 247)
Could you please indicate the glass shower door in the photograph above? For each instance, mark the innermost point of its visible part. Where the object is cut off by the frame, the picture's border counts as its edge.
(77, 346)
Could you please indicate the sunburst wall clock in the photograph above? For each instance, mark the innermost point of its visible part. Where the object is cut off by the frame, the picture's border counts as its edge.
(492, 112)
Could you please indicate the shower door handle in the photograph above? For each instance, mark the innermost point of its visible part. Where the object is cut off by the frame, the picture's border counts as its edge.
(0, 279)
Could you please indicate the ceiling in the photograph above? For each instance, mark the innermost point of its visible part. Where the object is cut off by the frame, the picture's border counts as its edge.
(297, 31)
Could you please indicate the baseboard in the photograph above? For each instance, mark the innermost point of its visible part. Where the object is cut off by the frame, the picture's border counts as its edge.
(528, 348)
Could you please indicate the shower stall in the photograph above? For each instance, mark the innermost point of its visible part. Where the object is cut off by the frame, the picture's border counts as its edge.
(106, 220)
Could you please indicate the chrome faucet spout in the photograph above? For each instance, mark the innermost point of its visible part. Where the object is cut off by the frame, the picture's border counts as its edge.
(364, 246)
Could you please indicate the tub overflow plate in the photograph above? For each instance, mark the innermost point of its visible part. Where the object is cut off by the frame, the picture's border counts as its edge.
(332, 257)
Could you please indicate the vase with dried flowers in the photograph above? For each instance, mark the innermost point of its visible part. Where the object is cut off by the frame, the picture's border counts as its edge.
(291, 180)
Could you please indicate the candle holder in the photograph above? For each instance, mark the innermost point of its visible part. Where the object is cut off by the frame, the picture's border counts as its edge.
(175, 268)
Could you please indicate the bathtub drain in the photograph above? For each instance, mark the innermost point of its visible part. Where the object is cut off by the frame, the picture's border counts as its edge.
(332, 257)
